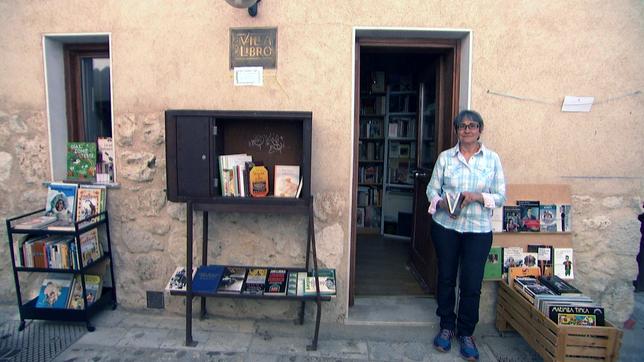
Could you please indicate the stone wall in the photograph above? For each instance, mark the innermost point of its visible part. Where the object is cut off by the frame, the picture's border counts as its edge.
(170, 56)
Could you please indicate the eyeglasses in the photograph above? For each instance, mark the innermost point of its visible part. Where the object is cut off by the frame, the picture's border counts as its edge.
(464, 126)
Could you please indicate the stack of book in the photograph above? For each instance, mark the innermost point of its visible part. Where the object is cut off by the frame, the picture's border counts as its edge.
(560, 301)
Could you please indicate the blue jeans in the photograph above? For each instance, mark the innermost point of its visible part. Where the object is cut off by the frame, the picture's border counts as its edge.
(469, 250)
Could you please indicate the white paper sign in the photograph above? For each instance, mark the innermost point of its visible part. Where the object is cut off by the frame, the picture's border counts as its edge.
(253, 76)
(577, 104)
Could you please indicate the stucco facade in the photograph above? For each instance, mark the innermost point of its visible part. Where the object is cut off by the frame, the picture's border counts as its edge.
(525, 57)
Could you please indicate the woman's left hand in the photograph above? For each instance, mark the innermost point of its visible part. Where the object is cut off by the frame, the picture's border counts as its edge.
(470, 197)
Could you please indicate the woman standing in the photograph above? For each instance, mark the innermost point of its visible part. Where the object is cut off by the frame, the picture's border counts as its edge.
(464, 239)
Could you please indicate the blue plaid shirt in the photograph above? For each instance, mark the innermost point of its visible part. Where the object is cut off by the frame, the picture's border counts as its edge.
(483, 173)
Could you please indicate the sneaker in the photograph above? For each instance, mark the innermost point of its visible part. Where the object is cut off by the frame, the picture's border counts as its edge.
(443, 340)
(468, 348)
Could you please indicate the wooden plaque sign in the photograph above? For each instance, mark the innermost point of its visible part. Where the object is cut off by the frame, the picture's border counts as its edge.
(253, 47)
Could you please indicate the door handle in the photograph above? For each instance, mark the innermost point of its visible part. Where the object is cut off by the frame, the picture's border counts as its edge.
(420, 174)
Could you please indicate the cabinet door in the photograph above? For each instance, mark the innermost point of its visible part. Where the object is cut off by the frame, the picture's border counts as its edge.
(193, 156)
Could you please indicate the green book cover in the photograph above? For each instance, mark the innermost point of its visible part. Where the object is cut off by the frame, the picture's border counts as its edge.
(81, 161)
(493, 264)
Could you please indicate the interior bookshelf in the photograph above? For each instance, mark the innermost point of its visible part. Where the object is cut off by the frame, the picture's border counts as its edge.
(195, 139)
(28, 307)
(546, 194)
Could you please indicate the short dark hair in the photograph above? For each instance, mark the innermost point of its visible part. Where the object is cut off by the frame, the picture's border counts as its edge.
(468, 114)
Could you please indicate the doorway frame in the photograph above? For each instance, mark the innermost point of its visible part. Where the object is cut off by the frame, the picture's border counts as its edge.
(400, 37)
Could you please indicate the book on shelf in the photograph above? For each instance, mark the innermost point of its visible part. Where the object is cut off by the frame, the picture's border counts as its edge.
(105, 161)
(511, 218)
(564, 263)
(529, 215)
(544, 255)
(587, 316)
(494, 264)
(548, 218)
(81, 161)
(91, 248)
(36, 222)
(512, 257)
(55, 291)
(232, 173)
(301, 282)
(327, 282)
(206, 279)
(291, 286)
(93, 289)
(564, 218)
(179, 280)
(61, 201)
(89, 202)
(559, 286)
(497, 220)
(286, 181)
(232, 280)
(454, 202)
(255, 281)
(276, 282)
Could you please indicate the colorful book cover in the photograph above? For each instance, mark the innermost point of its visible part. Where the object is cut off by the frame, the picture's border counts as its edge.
(88, 202)
(255, 281)
(105, 162)
(511, 218)
(91, 249)
(326, 278)
(61, 201)
(179, 281)
(276, 282)
(564, 263)
(564, 218)
(81, 161)
(93, 286)
(529, 215)
(54, 291)
(286, 180)
(548, 215)
(291, 288)
(493, 264)
(206, 279)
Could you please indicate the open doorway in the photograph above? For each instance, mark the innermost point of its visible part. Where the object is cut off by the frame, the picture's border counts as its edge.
(406, 95)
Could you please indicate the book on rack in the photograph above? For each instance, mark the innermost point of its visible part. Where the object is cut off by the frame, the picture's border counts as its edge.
(494, 264)
(454, 202)
(232, 280)
(511, 218)
(286, 181)
(291, 286)
(301, 282)
(255, 281)
(89, 202)
(206, 279)
(572, 315)
(559, 286)
(179, 280)
(54, 291)
(548, 218)
(35, 222)
(564, 263)
(91, 248)
(529, 215)
(232, 172)
(497, 220)
(326, 278)
(61, 202)
(512, 257)
(564, 218)
(81, 161)
(276, 282)
(105, 161)
(93, 288)
(544, 255)
(522, 271)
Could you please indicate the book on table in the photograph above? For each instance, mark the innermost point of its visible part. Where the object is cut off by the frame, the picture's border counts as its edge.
(558, 285)
(327, 282)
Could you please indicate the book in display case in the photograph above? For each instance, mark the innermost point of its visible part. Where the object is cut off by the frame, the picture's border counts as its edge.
(196, 141)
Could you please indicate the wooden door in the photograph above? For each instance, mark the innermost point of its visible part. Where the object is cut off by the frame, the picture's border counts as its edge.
(438, 105)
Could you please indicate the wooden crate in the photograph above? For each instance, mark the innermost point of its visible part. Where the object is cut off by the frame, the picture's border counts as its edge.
(554, 342)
